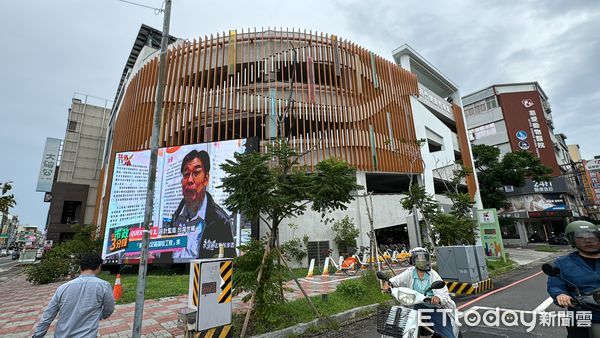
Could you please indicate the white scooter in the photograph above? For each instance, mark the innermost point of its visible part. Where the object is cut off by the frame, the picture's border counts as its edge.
(402, 320)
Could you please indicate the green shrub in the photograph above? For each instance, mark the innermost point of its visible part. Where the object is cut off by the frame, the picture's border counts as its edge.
(354, 288)
(50, 270)
(63, 260)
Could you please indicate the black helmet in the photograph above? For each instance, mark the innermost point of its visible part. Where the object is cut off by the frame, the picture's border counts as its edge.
(419, 257)
(584, 236)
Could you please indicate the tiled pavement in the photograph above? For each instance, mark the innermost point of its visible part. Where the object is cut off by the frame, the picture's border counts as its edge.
(22, 304)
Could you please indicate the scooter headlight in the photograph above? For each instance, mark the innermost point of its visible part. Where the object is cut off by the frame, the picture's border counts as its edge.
(406, 299)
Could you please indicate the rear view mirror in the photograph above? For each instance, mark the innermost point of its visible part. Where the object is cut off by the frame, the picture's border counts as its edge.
(437, 285)
(550, 270)
(382, 276)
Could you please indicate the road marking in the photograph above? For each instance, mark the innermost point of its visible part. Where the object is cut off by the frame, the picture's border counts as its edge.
(498, 290)
(542, 307)
(13, 262)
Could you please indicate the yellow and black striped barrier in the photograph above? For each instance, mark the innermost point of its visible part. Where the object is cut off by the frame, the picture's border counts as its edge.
(226, 272)
(216, 332)
(469, 288)
(196, 281)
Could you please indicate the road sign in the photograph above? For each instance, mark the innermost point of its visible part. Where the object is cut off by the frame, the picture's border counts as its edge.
(524, 145)
(522, 135)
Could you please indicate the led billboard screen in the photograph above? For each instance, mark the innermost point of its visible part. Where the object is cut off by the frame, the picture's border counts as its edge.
(190, 218)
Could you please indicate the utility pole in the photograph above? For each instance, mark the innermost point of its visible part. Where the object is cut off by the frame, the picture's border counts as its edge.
(157, 123)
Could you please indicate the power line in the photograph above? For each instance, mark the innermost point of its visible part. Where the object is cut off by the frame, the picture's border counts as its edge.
(156, 10)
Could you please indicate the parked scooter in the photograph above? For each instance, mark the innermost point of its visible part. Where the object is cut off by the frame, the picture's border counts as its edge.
(402, 320)
(559, 239)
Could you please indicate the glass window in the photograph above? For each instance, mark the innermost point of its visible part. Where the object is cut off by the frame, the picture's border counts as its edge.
(481, 106)
(482, 131)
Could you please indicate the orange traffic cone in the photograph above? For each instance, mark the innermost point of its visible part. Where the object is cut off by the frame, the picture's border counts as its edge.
(117, 289)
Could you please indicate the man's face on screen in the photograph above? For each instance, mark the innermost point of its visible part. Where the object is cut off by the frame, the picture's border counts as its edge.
(194, 181)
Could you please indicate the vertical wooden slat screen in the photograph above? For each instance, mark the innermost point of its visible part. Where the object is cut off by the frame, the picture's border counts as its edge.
(220, 88)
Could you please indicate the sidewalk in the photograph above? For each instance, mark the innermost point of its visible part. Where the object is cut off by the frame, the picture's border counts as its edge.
(524, 256)
(22, 304)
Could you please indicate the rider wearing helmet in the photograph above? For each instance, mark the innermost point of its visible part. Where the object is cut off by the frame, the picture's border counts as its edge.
(419, 277)
(580, 268)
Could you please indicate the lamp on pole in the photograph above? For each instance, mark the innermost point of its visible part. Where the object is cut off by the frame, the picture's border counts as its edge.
(157, 123)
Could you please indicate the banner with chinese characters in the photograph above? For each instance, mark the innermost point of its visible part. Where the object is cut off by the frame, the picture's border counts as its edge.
(190, 219)
(526, 120)
(489, 230)
(48, 167)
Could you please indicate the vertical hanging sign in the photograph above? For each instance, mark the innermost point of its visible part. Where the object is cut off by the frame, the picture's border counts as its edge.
(49, 162)
(232, 51)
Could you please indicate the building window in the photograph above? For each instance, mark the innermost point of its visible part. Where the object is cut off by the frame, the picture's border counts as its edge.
(317, 250)
(482, 131)
(481, 106)
(72, 125)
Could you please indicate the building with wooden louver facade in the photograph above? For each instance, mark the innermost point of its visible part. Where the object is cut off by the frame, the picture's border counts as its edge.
(330, 96)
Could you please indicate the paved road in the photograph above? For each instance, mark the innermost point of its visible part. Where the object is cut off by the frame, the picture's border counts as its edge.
(8, 268)
(523, 289)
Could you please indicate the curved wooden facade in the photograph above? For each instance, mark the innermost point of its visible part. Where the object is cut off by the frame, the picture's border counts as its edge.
(334, 98)
(233, 86)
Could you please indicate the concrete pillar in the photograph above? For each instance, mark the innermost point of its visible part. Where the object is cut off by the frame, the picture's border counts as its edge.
(413, 232)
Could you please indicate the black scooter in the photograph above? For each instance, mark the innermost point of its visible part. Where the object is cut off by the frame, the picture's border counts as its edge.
(559, 239)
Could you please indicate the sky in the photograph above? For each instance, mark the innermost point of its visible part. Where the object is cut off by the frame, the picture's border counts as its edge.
(54, 49)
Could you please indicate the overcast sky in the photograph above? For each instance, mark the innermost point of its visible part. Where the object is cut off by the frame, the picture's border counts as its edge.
(52, 49)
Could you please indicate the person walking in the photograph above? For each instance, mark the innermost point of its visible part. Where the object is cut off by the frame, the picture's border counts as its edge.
(80, 303)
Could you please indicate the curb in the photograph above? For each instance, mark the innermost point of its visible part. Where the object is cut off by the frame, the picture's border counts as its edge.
(302, 328)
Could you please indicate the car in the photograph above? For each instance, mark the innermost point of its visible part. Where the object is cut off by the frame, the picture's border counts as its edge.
(3, 252)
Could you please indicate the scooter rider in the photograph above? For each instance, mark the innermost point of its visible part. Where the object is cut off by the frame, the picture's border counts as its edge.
(419, 278)
(582, 268)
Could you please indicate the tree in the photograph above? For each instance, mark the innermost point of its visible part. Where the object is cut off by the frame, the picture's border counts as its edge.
(6, 201)
(494, 173)
(456, 227)
(345, 234)
(273, 186)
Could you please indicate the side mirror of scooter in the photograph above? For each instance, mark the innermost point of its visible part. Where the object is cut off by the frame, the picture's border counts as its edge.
(439, 284)
(382, 276)
(550, 270)
(554, 271)
(597, 297)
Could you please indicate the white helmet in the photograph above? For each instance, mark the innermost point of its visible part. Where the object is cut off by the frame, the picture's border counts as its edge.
(419, 257)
